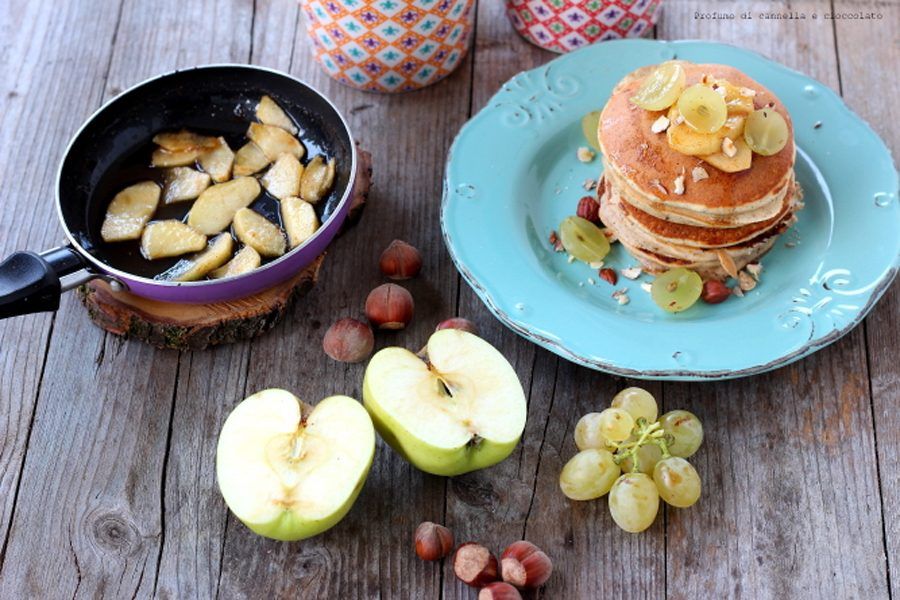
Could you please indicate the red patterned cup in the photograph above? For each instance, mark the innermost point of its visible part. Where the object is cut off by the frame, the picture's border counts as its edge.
(566, 25)
(389, 45)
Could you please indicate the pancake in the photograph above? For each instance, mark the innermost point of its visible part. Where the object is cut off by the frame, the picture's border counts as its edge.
(705, 237)
(644, 159)
(761, 210)
(657, 254)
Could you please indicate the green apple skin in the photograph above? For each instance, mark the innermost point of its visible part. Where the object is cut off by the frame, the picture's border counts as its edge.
(424, 456)
(290, 527)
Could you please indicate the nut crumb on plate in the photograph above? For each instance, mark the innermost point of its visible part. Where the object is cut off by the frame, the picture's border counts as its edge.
(646, 287)
(631, 272)
(737, 291)
(570, 259)
(589, 184)
(596, 265)
(754, 269)
(585, 154)
(621, 296)
(745, 281)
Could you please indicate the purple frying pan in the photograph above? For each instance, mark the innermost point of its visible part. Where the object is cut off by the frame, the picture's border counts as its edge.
(216, 98)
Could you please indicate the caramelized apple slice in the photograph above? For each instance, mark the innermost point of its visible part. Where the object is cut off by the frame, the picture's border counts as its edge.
(275, 141)
(181, 158)
(217, 161)
(249, 160)
(283, 179)
(183, 183)
(179, 141)
(270, 113)
(196, 267)
(259, 233)
(129, 212)
(317, 179)
(300, 220)
(741, 161)
(244, 261)
(162, 239)
(215, 208)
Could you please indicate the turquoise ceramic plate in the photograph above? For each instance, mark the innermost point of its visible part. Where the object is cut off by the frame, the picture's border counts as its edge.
(512, 176)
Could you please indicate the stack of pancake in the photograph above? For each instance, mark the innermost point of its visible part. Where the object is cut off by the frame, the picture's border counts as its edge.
(719, 222)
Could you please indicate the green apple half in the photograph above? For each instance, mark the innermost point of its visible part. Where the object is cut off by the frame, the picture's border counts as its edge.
(290, 471)
(455, 408)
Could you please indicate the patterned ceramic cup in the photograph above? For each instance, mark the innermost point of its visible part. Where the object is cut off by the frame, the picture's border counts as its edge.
(389, 45)
(566, 25)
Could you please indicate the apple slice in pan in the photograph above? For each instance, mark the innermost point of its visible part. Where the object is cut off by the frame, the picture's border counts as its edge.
(299, 219)
(318, 177)
(275, 141)
(196, 267)
(164, 239)
(258, 232)
(217, 161)
(249, 159)
(268, 112)
(215, 208)
(290, 471)
(282, 180)
(129, 212)
(244, 261)
(183, 183)
(458, 408)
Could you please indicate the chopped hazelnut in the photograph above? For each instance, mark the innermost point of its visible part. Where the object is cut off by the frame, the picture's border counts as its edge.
(699, 174)
(679, 185)
(585, 154)
(660, 125)
(728, 147)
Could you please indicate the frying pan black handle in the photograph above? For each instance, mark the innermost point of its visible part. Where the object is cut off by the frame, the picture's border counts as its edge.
(30, 282)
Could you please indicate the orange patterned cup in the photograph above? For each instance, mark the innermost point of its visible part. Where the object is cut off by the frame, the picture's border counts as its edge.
(389, 45)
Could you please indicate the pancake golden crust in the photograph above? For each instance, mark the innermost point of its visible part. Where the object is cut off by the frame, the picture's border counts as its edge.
(646, 160)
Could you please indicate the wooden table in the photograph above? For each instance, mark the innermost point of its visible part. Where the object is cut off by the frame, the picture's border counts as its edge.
(107, 447)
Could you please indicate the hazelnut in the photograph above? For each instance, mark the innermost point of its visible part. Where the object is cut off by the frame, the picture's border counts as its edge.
(525, 565)
(499, 590)
(714, 292)
(348, 340)
(433, 541)
(588, 208)
(474, 565)
(389, 306)
(400, 261)
(609, 276)
(458, 323)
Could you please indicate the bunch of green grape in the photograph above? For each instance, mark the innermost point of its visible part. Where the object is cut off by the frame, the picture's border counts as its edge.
(637, 459)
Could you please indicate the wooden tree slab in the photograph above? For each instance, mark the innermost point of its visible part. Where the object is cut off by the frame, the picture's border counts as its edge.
(199, 326)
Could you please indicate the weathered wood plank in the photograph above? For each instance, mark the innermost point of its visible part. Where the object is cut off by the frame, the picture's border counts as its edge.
(100, 468)
(867, 57)
(369, 554)
(51, 55)
(789, 463)
(520, 498)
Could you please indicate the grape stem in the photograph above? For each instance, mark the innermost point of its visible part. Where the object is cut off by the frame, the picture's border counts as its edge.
(646, 433)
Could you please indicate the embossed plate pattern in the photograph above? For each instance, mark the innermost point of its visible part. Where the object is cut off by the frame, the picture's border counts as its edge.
(512, 176)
